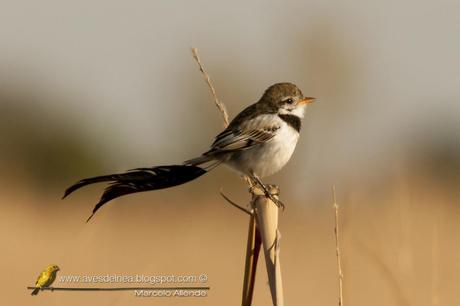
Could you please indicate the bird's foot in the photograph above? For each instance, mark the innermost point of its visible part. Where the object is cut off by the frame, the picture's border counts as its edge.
(275, 200)
(271, 192)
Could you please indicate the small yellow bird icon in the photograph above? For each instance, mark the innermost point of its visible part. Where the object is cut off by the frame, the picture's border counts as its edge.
(46, 278)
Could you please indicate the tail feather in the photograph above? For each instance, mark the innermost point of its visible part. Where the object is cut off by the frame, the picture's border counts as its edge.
(92, 180)
(35, 292)
(138, 180)
(199, 160)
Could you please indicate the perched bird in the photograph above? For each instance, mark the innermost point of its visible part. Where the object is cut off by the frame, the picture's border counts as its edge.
(258, 142)
(46, 278)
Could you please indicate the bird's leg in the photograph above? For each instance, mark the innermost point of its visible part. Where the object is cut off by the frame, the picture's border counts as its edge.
(268, 194)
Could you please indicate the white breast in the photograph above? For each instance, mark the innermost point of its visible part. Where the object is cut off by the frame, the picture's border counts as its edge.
(268, 158)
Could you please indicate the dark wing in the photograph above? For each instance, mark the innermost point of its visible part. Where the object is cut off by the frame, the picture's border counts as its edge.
(241, 140)
(258, 130)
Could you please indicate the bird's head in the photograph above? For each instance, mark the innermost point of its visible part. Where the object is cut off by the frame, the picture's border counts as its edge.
(52, 268)
(287, 99)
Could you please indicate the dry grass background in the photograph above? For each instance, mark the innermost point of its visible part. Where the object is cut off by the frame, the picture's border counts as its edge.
(399, 245)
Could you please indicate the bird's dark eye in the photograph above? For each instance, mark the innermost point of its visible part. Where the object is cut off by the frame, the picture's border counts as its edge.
(290, 101)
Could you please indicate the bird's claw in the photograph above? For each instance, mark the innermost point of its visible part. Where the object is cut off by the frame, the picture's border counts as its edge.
(275, 200)
(279, 204)
(268, 194)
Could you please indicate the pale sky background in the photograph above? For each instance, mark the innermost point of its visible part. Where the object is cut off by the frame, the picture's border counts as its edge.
(384, 73)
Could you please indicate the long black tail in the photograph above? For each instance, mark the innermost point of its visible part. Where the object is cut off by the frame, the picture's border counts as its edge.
(141, 179)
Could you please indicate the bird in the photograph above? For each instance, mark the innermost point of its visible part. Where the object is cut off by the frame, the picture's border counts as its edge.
(46, 278)
(257, 143)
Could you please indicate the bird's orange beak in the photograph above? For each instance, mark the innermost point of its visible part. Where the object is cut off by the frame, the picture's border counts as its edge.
(307, 100)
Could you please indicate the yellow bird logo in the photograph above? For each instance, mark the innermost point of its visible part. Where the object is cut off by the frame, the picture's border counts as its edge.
(46, 278)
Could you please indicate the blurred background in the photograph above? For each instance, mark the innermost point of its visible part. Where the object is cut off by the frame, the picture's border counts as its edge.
(96, 87)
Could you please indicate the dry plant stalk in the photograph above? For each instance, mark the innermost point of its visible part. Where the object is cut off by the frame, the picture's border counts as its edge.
(263, 224)
(218, 103)
(267, 222)
(250, 266)
(337, 246)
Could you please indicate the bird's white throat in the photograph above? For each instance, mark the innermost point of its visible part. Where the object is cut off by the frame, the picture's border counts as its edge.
(298, 111)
